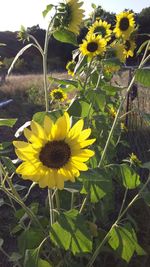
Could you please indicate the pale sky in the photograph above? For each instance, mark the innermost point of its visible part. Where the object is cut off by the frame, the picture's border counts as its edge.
(15, 13)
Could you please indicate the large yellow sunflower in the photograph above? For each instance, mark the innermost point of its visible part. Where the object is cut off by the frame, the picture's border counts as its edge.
(125, 25)
(75, 15)
(69, 15)
(93, 46)
(55, 152)
(129, 47)
(101, 28)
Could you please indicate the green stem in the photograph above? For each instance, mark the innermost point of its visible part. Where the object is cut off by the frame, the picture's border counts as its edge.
(83, 204)
(97, 251)
(123, 202)
(57, 200)
(51, 206)
(87, 75)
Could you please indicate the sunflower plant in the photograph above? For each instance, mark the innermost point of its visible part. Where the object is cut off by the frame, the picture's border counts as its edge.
(69, 155)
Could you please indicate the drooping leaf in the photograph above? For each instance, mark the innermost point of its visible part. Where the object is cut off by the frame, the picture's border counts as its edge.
(17, 56)
(143, 77)
(63, 81)
(124, 241)
(129, 177)
(71, 232)
(47, 10)
(7, 122)
(80, 108)
(96, 183)
(65, 36)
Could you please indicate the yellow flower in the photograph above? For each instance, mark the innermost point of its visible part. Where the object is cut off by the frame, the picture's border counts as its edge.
(112, 112)
(119, 51)
(69, 16)
(55, 152)
(93, 46)
(123, 127)
(101, 28)
(70, 67)
(125, 25)
(75, 15)
(129, 47)
(134, 159)
(58, 95)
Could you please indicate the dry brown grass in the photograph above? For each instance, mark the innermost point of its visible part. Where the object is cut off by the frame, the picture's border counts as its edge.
(24, 82)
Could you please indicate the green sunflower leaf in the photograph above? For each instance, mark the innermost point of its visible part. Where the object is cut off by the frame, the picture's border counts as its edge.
(96, 183)
(130, 178)
(98, 99)
(8, 164)
(29, 239)
(65, 36)
(124, 241)
(54, 115)
(143, 77)
(43, 263)
(47, 10)
(63, 81)
(80, 108)
(71, 232)
(7, 122)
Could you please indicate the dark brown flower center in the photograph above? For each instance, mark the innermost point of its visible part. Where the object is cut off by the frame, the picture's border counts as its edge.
(124, 24)
(92, 46)
(58, 95)
(100, 30)
(55, 154)
(127, 45)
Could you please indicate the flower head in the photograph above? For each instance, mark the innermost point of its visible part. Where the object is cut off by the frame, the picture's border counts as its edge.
(119, 51)
(70, 67)
(134, 160)
(55, 152)
(112, 112)
(129, 47)
(58, 95)
(70, 15)
(93, 46)
(101, 28)
(125, 25)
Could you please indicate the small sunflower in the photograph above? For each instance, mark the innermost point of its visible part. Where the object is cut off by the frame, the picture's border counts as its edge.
(58, 95)
(134, 160)
(101, 28)
(123, 127)
(112, 112)
(55, 152)
(93, 46)
(125, 25)
(70, 67)
(129, 47)
(118, 50)
(70, 15)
